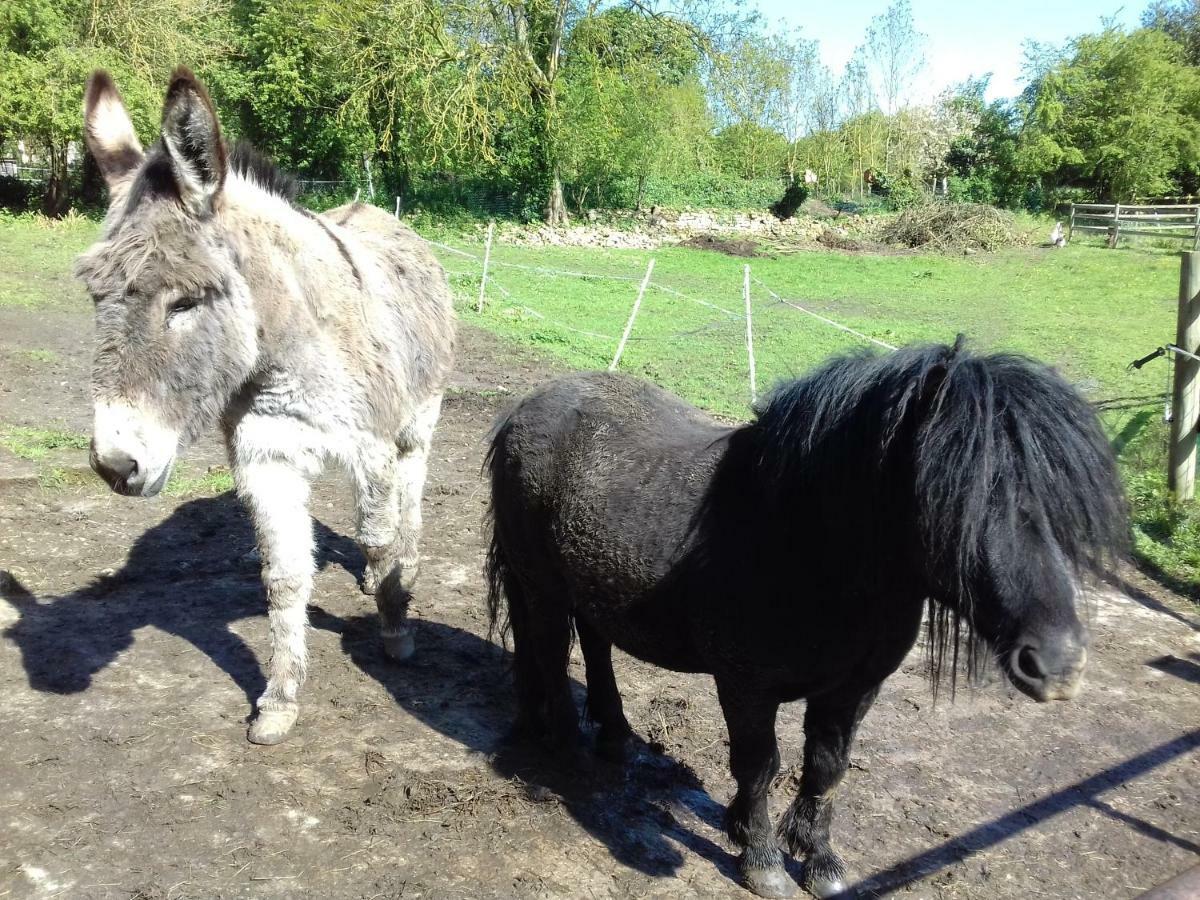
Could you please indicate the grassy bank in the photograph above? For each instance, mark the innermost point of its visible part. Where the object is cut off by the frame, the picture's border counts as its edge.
(1086, 309)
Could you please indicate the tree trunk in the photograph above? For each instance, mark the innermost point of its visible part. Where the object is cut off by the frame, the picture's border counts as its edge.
(55, 199)
(556, 205)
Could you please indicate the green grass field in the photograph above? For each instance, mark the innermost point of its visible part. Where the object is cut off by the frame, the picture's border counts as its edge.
(1088, 310)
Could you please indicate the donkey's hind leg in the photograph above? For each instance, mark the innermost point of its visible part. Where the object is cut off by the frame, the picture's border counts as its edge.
(276, 493)
(389, 489)
(829, 728)
(754, 762)
(603, 697)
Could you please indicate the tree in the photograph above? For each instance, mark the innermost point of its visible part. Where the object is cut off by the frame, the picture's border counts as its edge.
(1179, 20)
(895, 50)
(1120, 114)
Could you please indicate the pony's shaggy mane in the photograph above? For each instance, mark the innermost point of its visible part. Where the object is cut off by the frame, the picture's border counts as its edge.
(263, 171)
(994, 437)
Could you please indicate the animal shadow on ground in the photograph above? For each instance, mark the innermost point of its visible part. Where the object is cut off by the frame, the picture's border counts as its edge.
(459, 685)
(194, 574)
(191, 575)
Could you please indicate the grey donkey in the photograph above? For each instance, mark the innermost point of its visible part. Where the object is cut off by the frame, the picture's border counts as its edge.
(308, 338)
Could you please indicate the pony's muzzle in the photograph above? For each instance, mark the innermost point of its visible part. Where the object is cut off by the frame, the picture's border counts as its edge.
(1048, 669)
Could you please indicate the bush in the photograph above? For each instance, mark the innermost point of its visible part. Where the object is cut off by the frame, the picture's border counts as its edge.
(793, 198)
(900, 191)
(17, 195)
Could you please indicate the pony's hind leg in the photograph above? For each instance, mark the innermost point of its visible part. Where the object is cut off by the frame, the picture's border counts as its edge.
(754, 762)
(276, 493)
(603, 697)
(541, 629)
(829, 728)
(389, 486)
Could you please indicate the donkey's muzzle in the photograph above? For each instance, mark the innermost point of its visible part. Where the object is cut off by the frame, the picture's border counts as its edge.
(120, 471)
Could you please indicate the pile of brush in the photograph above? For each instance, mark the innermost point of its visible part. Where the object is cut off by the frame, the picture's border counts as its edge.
(953, 228)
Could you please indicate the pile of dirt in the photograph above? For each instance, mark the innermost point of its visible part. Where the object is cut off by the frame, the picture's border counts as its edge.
(728, 245)
(953, 227)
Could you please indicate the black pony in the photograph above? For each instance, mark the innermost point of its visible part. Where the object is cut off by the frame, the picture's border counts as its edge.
(793, 557)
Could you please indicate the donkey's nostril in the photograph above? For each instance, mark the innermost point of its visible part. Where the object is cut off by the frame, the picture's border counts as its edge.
(1030, 665)
(115, 468)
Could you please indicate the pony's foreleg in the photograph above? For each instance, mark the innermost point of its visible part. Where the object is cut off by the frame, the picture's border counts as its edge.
(754, 762)
(276, 493)
(829, 729)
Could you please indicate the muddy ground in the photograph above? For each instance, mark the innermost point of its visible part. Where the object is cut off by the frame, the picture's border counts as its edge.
(133, 638)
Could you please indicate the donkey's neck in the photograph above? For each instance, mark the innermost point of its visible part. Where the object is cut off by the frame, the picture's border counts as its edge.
(298, 272)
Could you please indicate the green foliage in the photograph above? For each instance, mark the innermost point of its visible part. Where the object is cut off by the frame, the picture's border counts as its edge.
(749, 151)
(1120, 113)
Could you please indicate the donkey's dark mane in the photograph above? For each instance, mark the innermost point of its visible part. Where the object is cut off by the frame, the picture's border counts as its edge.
(988, 438)
(263, 171)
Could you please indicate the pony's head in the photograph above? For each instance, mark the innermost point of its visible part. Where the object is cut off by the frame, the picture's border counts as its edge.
(982, 482)
(1018, 506)
(176, 333)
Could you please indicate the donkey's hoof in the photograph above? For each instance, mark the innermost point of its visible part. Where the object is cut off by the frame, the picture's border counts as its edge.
(369, 583)
(773, 882)
(824, 887)
(399, 646)
(271, 726)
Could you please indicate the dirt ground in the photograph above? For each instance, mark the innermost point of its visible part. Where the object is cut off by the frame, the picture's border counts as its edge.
(133, 642)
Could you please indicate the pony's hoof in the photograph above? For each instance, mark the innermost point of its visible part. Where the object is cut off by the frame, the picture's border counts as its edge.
(824, 888)
(773, 882)
(369, 583)
(272, 726)
(399, 646)
(617, 749)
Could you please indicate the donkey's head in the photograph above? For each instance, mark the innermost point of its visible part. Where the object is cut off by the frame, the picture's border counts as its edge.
(176, 333)
(1020, 505)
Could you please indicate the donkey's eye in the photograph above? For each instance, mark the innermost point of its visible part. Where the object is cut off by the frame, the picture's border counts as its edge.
(182, 306)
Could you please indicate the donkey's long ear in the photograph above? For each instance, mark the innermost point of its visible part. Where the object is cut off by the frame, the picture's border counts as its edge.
(108, 129)
(192, 138)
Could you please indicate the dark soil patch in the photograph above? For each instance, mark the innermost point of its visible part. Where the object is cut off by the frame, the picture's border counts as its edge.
(719, 244)
(133, 641)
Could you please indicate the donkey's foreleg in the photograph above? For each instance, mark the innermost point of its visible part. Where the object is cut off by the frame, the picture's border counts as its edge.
(389, 488)
(276, 493)
(754, 762)
(829, 729)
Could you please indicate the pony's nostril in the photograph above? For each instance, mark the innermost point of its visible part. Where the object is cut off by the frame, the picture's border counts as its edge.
(1030, 665)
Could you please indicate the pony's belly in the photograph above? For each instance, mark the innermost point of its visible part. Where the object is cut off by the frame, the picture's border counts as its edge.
(648, 633)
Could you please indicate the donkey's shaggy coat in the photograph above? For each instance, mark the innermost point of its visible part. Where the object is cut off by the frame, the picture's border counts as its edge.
(792, 557)
(308, 338)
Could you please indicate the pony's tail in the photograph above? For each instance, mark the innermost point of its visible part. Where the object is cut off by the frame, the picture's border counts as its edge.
(497, 572)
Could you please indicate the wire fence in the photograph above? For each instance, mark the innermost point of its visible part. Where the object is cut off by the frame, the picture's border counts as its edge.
(701, 338)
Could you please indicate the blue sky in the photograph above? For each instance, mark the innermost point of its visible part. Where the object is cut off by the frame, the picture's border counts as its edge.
(965, 38)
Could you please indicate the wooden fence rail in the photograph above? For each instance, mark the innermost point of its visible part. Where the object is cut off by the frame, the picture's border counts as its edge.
(1168, 220)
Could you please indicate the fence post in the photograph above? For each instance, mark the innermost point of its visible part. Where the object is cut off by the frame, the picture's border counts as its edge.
(397, 207)
(612, 367)
(749, 333)
(1116, 229)
(1181, 472)
(1196, 231)
(487, 255)
(1071, 224)
(357, 193)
